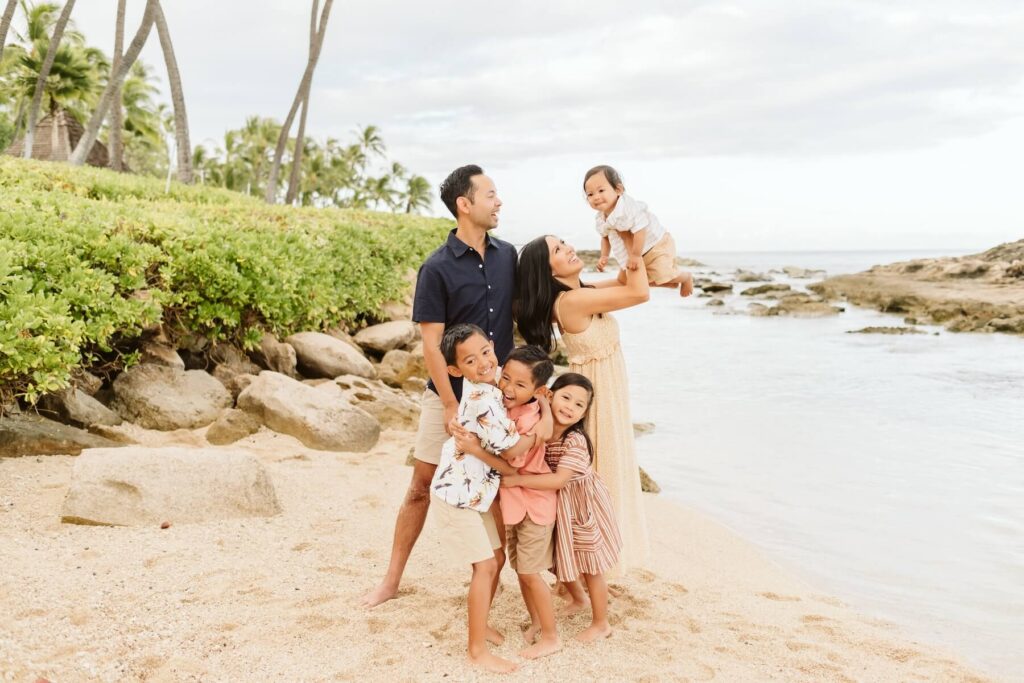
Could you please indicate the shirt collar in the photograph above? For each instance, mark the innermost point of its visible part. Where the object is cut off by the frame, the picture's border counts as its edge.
(459, 247)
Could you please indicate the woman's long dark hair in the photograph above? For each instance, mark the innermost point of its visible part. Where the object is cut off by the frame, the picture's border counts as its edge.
(574, 379)
(536, 291)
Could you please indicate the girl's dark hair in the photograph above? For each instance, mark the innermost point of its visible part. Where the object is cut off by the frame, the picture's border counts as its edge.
(574, 379)
(610, 174)
(536, 291)
(533, 357)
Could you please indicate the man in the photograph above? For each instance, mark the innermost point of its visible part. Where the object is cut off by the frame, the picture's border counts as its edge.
(469, 279)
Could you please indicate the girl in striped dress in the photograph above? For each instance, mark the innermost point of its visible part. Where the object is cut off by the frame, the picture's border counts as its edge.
(587, 540)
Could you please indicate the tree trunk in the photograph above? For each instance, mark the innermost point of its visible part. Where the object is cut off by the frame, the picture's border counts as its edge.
(44, 73)
(304, 87)
(5, 23)
(92, 129)
(177, 98)
(117, 108)
(296, 175)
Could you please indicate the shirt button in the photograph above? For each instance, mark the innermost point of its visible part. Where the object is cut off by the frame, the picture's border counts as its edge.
(492, 334)
(480, 266)
(488, 286)
(491, 310)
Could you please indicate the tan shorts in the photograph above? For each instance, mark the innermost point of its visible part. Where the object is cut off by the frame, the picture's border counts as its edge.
(530, 546)
(660, 261)
(467, 536)
(430, 434)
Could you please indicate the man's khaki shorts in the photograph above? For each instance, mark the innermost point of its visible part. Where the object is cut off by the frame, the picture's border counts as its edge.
(660, 261)
(467, 536)
(530, 546)
(430, 434)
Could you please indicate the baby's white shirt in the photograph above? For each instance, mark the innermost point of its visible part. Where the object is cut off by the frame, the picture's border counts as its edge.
(628, 215)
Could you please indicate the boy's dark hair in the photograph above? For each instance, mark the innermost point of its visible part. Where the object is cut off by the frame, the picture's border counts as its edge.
(533, 357)
(610, 174)
(574, 379)
(459, 183)
(455, 335)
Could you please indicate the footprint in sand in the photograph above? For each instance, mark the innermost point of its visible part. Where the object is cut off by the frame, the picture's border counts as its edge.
(780, 598)
(369, 500)
(299, 547)
(315, 622)
(376, 625)
(368, 554)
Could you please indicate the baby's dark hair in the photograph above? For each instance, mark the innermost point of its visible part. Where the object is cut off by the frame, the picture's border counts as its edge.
(455, 335)
(574, 379)
(459, 183)
(610, 174)
(533, 357)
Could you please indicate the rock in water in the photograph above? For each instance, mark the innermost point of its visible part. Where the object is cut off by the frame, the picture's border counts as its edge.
(647, 484)
(320, 417)
(387, 336)
(321, 355)
(29, 435)
(158, 397)
(134, 486)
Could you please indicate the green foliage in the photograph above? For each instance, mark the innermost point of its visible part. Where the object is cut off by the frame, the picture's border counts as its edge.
(89, 258)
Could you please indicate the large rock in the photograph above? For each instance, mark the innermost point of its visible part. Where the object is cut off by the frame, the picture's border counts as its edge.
(29, 435)
(78, 408)
(232, 425)
(158, 397)
(765, 289)
(136, 485)
(382, 338)
(319, 417)
(393, 409)
(321, 355)
(159, 353)
(398, 366)
(275, 355)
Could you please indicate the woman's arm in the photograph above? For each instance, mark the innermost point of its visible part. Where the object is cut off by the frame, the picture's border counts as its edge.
(579, 305)
(541, 482)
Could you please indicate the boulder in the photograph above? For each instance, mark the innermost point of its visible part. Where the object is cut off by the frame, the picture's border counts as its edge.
(760, 310)
(398, 366)
(86, 381)
(30, 435)
(393, 409)
(135, 485)
(749, 276)
(715, 287)
(159, 397)
(275, 355)
(319, 417)
(765, 289)
(321, 355)
(233, 360)
(232, 425)
(78, 408)
(234, 383)
(805, 307)
(387, 336)
(157, 353)
(641, 428)
(647, 484)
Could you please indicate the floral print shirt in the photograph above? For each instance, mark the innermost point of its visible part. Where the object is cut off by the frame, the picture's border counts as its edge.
(461, 479)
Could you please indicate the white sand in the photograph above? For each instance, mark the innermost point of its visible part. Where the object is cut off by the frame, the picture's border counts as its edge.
(276, 598)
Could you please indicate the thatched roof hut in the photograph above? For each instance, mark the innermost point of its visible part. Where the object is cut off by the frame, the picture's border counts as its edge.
(55, 140)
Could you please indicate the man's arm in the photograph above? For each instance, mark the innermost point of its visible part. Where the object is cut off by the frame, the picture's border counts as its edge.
(438, 369)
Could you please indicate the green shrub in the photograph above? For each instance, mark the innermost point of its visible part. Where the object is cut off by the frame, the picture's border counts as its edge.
(90, 258)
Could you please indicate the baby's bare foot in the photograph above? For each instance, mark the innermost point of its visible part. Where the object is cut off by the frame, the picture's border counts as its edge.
(594, 632)
(530, 633)
(494, 637)
(542, 648)
(493, 663)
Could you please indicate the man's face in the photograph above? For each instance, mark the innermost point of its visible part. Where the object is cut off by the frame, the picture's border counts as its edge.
(484, 205)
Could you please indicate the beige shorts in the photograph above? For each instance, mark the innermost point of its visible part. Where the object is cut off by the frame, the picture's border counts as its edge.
(530, 546)
(467, 536)
(430, 434)
(660, 261)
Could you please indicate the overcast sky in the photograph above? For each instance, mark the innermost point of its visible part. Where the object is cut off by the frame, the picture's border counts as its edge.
(749, 125)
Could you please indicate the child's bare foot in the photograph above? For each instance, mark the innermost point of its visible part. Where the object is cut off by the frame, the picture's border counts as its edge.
(381, 593)
(493, 663)
(494, 637)
(530, 633)
(594, 632)
(572, 608)
(542, 648)
(686, 286)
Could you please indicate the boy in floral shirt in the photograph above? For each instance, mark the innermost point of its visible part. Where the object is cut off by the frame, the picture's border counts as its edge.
(464, 485)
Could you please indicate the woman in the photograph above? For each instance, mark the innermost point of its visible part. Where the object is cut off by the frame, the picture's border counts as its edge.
(549, 293)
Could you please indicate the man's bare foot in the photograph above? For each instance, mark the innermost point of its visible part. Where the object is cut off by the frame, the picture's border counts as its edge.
(573, 608)
(531, 633)
(493, 663)
(594, 632)
(494, 637)
(381, 593)
(542, 648)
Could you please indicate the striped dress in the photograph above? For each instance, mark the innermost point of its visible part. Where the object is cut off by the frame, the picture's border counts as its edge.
(587, 537)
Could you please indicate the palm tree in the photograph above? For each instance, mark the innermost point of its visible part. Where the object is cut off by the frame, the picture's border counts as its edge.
(177, 98)
(370, 143)
(305, 85)
(117, 108)
(417, 194)
(92, 130)
(145, 148)
(5, 23)
(44, 72)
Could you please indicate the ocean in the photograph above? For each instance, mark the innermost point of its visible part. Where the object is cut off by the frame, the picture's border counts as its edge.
(886, 470)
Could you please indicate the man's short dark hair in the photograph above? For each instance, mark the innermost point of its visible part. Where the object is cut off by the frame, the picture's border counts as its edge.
(455, 335)
(459, 183)
(533, 357)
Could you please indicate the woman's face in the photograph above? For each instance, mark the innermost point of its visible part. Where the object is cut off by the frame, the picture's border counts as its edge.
(563, 259)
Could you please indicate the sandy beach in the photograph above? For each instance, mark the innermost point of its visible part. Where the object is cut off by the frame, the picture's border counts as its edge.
(276, 598)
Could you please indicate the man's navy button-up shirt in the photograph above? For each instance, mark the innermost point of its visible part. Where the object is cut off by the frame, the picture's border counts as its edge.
(456, 286)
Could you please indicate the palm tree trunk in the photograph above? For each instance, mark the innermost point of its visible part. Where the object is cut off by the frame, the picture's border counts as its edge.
(177, 98)
(5, 23)
(117, 108)
(303, 93)
(92, 129)
(44, 73)
(295, 177)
